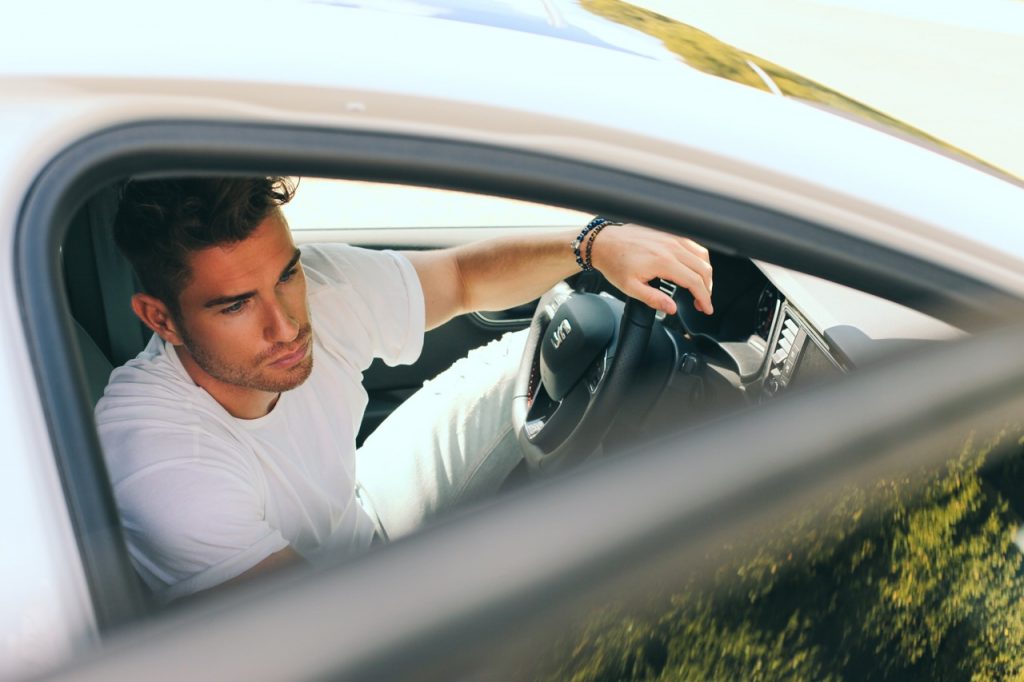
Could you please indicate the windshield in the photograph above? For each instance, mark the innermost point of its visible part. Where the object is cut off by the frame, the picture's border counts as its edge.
(710, 55)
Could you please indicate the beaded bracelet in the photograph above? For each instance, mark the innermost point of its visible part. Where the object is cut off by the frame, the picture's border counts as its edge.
(589, 250)
(592, 229)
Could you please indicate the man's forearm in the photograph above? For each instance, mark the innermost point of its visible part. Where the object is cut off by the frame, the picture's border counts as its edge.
(506, 272)
(500, 273)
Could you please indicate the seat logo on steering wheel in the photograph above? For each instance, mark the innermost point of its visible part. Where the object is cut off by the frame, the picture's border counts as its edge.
(558, 336)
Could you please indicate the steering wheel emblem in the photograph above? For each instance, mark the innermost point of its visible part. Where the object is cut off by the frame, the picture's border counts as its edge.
(558, 336)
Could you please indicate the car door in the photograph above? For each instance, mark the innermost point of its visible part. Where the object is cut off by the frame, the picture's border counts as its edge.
(444, 600)
(499, 592)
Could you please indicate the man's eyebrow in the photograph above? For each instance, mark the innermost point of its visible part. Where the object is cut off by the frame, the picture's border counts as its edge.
(235, 298)
(292, 263)
(222, 300)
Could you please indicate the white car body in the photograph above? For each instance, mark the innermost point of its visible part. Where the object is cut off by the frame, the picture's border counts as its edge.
(70, 70)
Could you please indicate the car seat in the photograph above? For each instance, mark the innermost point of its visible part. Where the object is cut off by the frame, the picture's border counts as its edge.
(100, 283)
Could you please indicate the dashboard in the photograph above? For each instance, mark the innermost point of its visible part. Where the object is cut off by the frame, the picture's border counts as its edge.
(797, 355)
(775, 330)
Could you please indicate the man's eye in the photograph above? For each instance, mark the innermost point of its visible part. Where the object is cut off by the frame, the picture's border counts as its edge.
(288, 275)
(233, 308)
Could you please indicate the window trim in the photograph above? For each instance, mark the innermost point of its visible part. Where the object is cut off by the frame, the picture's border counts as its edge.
(196, 146)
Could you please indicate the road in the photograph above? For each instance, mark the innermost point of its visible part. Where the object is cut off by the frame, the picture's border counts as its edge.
(953, 68)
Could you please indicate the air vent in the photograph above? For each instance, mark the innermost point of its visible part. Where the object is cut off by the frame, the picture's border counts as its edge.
(786, 351)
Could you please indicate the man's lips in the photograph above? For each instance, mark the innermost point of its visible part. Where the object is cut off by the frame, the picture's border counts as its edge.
(293, 357)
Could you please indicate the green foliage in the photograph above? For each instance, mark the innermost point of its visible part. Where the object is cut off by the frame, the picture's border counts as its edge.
(910, 579)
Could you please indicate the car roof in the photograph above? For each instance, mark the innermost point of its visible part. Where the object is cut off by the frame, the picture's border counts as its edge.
(611, 24)
(499, 75)
(59, 28)
(559, 19)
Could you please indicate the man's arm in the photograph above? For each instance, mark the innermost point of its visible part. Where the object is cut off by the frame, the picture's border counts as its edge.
(500, 273)
(276, 561)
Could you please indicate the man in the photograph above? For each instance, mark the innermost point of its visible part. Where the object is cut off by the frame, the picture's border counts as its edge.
(230, 439)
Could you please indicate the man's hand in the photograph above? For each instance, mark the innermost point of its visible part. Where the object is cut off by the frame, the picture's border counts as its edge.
(630, 256)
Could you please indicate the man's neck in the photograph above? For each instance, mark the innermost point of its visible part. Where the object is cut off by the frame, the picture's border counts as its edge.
(238, 401)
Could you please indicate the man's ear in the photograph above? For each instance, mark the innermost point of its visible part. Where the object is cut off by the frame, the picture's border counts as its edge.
(154, 314)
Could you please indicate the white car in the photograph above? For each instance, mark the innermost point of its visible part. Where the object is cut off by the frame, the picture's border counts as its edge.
(838, 235)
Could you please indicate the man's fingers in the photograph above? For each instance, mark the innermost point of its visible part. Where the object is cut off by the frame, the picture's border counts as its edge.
(697, 263)
(697, 258)
(696, 249)
(702, 264)
(633, 255)
(692, 282)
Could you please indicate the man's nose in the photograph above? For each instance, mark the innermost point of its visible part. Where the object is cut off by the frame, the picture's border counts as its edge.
(282, 327)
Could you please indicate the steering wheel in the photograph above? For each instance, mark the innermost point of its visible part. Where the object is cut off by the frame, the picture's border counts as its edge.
(582, 352)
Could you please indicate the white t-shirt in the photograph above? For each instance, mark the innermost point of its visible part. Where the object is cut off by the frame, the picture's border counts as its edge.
(205, 496)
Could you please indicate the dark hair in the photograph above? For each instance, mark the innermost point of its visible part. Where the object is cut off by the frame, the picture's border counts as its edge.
(160, 222)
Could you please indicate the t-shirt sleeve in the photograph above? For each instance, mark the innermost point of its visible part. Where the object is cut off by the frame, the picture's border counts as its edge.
(194, 522)
(366, 304)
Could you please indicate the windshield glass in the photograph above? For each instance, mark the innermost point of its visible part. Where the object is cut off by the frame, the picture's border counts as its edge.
(706, 53)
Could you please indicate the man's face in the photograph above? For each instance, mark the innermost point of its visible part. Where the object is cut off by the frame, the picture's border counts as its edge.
(244, 317)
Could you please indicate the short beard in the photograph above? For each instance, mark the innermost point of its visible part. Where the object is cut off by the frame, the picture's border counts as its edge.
(251, 377)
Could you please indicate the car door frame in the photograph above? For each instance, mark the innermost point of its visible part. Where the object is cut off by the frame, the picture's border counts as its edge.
(180, 147)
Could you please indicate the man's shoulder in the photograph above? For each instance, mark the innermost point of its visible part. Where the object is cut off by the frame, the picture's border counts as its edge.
(366, 303)
(334, 264)
(150, 418)
(151, 396)
(152, 375)
(328, 255)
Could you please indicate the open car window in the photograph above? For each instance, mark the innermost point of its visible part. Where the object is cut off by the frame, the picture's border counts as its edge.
(633, 502)
(773, 589)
